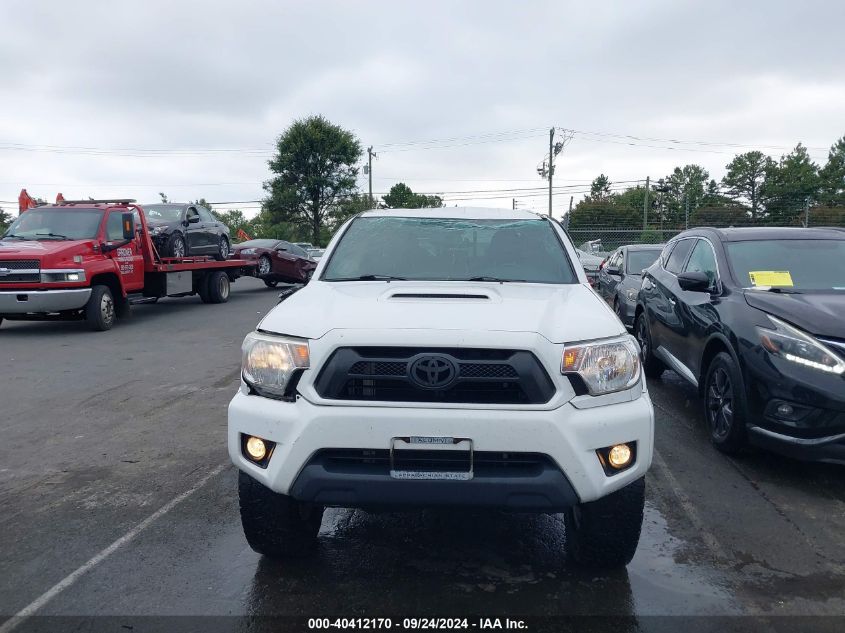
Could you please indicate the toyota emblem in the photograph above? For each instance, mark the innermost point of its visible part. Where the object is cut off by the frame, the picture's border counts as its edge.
(433, 372)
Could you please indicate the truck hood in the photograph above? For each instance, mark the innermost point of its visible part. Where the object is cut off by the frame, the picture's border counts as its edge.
(819, 313)
(559, 313)
(20, 249)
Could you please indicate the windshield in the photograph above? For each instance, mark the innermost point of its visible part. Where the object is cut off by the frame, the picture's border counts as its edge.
(446, 249)
(802, 264)
(163, 212)
(640, 260)
(258, 244)
(52, 223)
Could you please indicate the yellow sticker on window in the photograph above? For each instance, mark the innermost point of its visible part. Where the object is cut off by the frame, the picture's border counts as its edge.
(770, 278)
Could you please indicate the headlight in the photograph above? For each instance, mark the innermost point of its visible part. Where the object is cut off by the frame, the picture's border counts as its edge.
(792, 344)
(631, 294)
(247, 251)
(60, 276)
(268, 362)
(604, 366)
(158, 230)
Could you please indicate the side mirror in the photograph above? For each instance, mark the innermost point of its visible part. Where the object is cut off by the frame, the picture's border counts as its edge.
(694, 282)
(193, 219)
(128, 226)
(614, 270)
(281, 249)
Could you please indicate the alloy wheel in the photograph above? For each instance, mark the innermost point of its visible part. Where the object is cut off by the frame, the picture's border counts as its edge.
(107, 308)
(263, 266)
(178, 247)
(720, 406)
(224, 248)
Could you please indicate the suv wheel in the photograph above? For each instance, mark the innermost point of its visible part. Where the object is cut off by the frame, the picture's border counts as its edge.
(605, 533)
(276, 525)
(723, 404)
(100, 311)
(223, 249)
(652, 366)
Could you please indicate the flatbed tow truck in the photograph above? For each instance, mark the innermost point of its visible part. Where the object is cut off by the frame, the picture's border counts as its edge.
(92, 259)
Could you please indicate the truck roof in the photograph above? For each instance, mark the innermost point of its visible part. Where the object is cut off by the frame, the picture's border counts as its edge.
(458, 213)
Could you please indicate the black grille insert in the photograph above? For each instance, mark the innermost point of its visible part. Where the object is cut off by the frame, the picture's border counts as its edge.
(20, 264)
(485, 463)
(483, 376)
(12, 271)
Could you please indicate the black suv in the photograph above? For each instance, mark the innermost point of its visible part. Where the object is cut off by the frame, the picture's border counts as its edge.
(182, 230)
(755, 318)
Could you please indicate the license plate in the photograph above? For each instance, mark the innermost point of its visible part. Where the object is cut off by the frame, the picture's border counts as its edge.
(430, 445)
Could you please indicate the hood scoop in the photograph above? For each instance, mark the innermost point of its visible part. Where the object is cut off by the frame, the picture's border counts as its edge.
(438, 296)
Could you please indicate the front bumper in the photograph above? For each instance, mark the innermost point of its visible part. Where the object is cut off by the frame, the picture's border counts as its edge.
(817, 449)
(568, 435)
(42, 301)
(627, 310)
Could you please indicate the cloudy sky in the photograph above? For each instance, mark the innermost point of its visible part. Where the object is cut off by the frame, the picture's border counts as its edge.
(132, 98)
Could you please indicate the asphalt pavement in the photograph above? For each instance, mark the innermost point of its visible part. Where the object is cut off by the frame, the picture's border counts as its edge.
(118, 499)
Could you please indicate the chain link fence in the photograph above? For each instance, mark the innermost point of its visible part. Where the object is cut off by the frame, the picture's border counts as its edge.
(601, 235)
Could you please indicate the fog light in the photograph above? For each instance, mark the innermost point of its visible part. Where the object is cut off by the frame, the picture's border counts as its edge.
(619, 456)
(256, 448)
(785, 411)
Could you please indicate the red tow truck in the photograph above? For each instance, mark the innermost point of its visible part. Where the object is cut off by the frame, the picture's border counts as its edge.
(93, 259)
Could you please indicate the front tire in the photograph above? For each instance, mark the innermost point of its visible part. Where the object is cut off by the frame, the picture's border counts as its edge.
(270, 283)
(723, 404)
(652, 366)
(274, 524)
(100, 310)
(176, 246)
(223, 249)
(604, 534)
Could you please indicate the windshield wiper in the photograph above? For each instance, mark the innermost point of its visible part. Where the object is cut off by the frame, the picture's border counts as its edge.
(496, 280)
(14, 236)
(785, 291)
(369, 278)
(57, 236)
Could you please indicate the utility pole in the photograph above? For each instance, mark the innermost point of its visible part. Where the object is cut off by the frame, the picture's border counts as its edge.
(370, 170)
(514, 203)
(551, 165)
(686, 212)
(645, 203)
(806, 212)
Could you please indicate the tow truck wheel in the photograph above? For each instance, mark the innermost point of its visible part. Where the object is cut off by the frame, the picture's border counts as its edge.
(218, 287)
(100, 311)
(271, 283)
(277, 525)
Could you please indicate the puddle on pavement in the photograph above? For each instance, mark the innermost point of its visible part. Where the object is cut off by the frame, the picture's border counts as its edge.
(481, 562)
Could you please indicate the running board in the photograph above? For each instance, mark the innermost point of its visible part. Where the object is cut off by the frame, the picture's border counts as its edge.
(142, 300)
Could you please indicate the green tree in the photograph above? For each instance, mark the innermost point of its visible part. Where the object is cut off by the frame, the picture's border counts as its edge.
(235, 220)
(600, 188)
(832, 176)
(789, 184)
(684, 184)
(202, 202)
(315, 166)
(401, 196)
(746, 176)
(5, 220)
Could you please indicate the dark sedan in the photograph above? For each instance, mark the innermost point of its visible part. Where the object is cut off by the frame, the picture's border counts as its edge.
(277, 261)
(754, 318)
(182, 230)
(620, 277)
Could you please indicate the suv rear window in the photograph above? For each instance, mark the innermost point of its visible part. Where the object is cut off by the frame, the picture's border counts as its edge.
(450, 249)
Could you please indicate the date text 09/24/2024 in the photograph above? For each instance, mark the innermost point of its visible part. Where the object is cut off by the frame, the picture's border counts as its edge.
(416, 623)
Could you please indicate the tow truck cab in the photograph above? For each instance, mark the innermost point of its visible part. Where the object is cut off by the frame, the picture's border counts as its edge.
(90, 259)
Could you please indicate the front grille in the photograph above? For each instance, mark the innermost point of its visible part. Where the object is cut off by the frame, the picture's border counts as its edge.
(481, 376)
(20, 270)
(485, 463)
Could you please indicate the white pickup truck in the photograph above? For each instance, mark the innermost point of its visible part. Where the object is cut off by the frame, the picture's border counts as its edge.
(444, 357)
